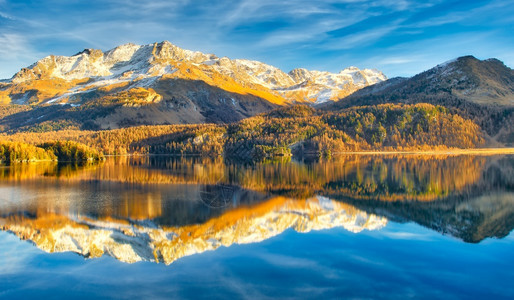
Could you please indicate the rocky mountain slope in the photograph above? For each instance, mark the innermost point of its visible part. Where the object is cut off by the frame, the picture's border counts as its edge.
(482, 90)
(161, 83)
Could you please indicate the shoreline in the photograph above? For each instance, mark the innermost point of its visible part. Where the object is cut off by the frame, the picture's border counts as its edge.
(476, 151)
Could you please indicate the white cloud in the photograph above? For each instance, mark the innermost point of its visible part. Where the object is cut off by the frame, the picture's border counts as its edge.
(291, 10)
(15, 46)
(407, 236)
(15, 52)
(151, 8)
(397, 60)
(360, 39)
(307, 32)
(6, 16)
(245, 10)
(283, 38)
(314, 33)
(464, 16)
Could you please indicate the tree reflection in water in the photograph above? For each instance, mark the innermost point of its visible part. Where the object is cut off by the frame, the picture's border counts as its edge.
(159, 203)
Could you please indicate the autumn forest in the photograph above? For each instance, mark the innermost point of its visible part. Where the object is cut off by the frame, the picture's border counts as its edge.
(291, 131)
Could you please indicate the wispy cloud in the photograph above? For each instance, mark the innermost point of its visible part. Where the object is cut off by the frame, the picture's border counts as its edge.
(360, 39)
(6, 16)
(462, 15)
(325, 33)
(396, 60)
(408, 236)
(244, 10)
(315, 33)
(16, 46)
(158, 9)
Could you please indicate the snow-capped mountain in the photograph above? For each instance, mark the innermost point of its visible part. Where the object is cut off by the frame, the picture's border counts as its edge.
(142, 66)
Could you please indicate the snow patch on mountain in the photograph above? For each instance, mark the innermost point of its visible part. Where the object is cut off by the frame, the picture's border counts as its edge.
(130, 62)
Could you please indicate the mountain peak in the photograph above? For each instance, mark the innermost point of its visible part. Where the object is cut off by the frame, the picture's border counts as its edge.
(350, 68)
(481, 89)
(165, 51)
(131, 63)
(494, 60)
(467, 58)
(472, 61)
(474, 67)
(486, 81)
(86, 51)
(299, 74)
(161, 83)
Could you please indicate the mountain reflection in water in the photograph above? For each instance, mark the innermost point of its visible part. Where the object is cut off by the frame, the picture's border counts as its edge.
(160, 209)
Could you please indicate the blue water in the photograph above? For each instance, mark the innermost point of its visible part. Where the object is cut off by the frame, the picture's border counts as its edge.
(459, 245)
(399, 261)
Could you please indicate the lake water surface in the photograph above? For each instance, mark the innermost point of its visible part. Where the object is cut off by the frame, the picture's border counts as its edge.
(366, 226)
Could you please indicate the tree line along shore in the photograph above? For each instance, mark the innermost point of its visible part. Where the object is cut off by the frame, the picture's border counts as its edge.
(290, 131)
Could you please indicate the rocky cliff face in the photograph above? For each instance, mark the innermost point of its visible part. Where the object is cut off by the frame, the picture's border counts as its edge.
(144, 241)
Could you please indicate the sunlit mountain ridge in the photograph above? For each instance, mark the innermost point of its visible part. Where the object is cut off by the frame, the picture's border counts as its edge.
(170, 85)
(129, 64)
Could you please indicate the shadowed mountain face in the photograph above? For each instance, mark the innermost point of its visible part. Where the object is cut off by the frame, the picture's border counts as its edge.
(180, 101)
(161, 209)
(482, 90)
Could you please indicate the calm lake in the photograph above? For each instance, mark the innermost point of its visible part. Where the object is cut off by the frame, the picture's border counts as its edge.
(364, 226)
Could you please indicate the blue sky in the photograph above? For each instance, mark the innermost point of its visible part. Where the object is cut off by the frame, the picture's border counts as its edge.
(398, 37)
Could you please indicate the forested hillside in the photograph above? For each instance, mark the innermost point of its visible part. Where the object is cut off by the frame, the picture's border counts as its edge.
(470, 104)
(480, 90)
(297, 130)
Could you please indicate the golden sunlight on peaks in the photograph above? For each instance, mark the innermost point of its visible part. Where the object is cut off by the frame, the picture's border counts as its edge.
(46, 88)
(133, 97)
(111, 87)
(212, 77)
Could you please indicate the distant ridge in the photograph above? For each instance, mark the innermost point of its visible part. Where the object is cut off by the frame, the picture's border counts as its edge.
(482, 90)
